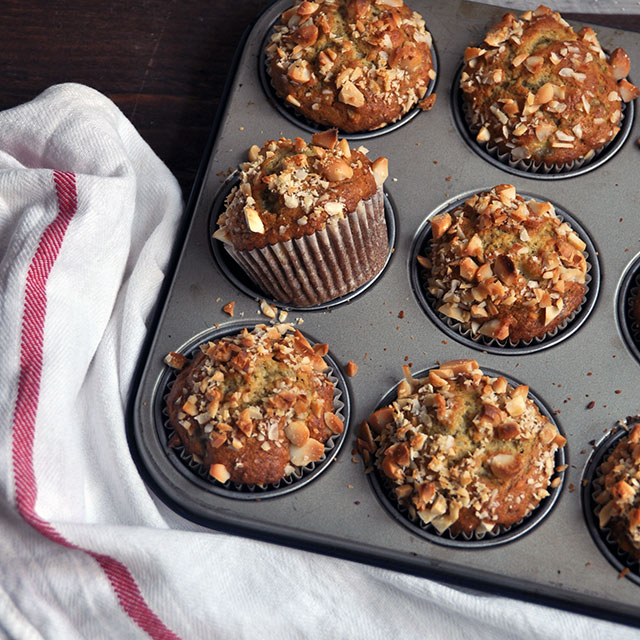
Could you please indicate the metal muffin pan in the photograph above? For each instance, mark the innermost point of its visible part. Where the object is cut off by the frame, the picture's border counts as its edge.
(384, 327)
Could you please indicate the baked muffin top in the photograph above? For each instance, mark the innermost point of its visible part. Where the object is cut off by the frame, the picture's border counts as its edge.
(538, 90)
(353, 64)
(255, 405)
(504, 266)
(463, 451)
(620, 498)
(289, 189)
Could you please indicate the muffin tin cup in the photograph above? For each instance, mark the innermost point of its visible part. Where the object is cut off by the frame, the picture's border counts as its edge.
(197, 472)
(280, 266)
(459, 332)
(621, 560)
(289, 112)
(627, 294)
(500, 535)
(529, 168)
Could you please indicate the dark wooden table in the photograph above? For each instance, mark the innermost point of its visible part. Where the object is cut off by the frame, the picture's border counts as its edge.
(163, 62)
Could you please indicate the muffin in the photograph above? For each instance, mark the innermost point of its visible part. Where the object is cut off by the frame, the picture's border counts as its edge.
(504, 267)
(353, 64)
(307, 222)
(463, 451)
(254, 407)
(620, 497)
(542, 93)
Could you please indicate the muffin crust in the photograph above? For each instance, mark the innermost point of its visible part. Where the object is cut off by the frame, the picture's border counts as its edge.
(352, 64)
(536, 89)
(463, 451)
(505, 267)
(254, 406)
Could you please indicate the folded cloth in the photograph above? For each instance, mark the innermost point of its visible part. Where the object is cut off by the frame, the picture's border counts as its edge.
(88, 214)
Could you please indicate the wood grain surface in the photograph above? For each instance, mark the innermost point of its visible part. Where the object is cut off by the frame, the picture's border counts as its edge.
(163, 62)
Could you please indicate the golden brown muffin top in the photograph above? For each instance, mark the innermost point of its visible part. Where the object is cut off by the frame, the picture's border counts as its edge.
(255, 405)
(505, 267)
(463, 450)
(289, 189)
(620, 498)
(353, 64)
(537, 89)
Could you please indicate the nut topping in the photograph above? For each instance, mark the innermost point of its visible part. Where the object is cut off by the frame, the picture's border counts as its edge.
(452, 455)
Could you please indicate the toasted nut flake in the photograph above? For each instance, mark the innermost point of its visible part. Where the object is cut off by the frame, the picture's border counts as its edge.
(468, 269)
(506, 193)
(175, 360)
(351, 95)
(507, 431)
(219, 472)
(473, 52)
(505, 465)
(321, 349)
(338, 170)
(544, 93)
(460, 366)
(550, 314)
(334, 208)
(380, 418)
(254, 152)
(533, 63)
(297, 433)
(440, 224)
(267, 309)
(307, 8)
(628, 91)
(380, 169)
(506, 270)
(327, 139)
(351, 369)
(311, 451)
(221, 235)
(306, 35)
(483, 135)
(293, 100)
(333, 422)
(620, 62)
(423, 261)
(427, 103)
(228, 308)
(300, 71)
(519, 59)
(253, 220)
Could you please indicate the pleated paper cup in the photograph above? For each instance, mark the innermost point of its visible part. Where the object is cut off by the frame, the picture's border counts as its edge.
(325, 265)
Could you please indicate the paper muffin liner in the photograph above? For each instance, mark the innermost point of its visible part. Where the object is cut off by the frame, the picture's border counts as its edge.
(632, 323)
(291, 113)
(500, 534)
(196, 466)
(615, 551)
(550, 337)
(325, 265)
(530, 165)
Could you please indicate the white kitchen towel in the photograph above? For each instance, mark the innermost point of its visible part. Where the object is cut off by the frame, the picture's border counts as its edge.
(88, 214)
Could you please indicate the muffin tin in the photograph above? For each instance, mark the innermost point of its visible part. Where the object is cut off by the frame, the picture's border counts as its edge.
(587, 380)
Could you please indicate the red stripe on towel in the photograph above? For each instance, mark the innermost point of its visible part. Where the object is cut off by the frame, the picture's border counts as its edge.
(26, 408)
